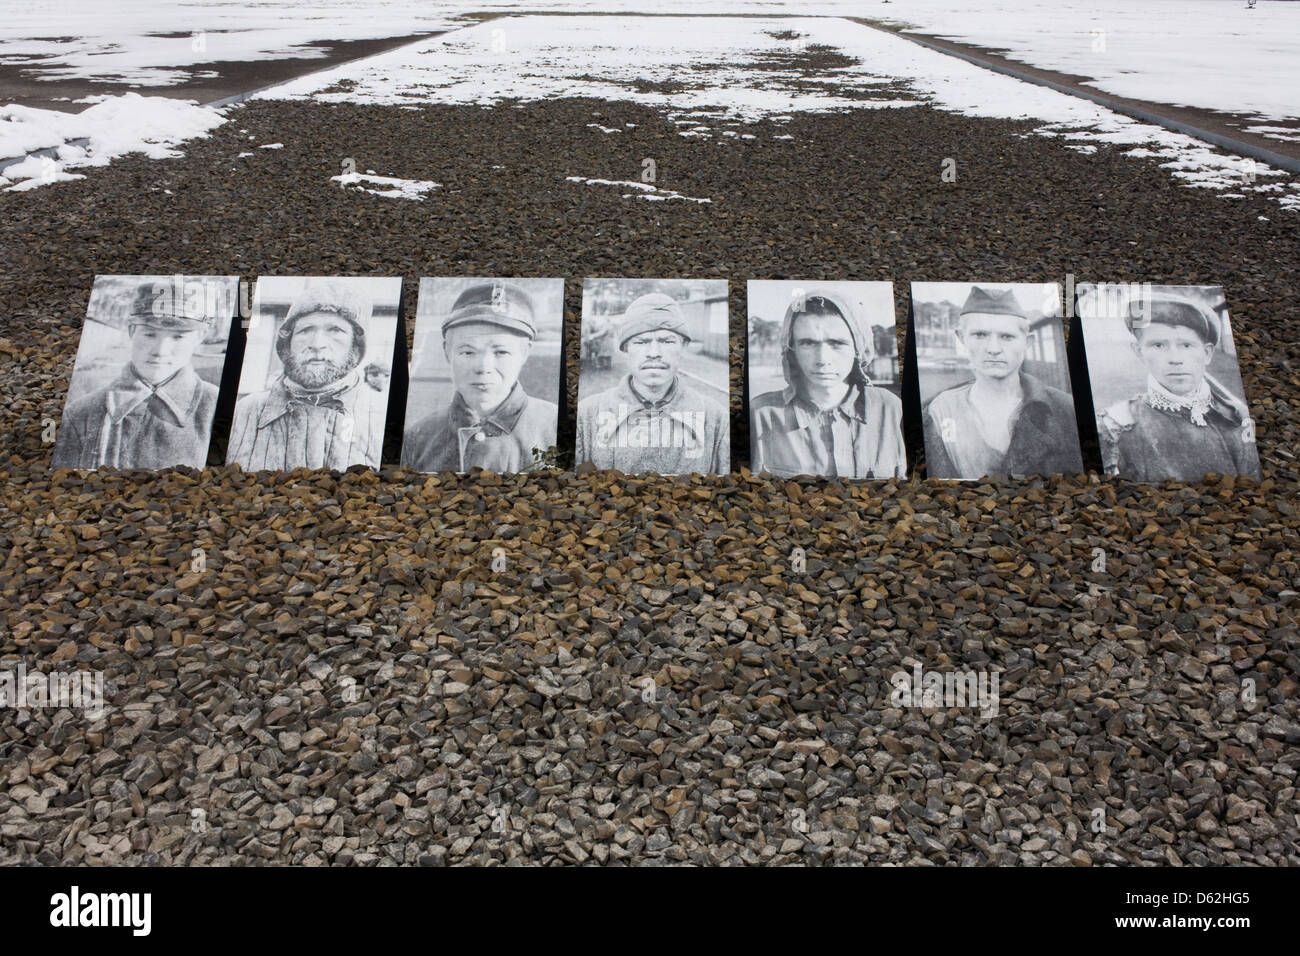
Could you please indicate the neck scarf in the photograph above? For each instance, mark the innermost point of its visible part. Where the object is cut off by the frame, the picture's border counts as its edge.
(324, 397)
(1196, 404)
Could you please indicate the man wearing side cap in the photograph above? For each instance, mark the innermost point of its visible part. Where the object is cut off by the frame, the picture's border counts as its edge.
(829, 420)
(319, 413)
(491, 423)
(653, 420)
(1185, 424)
(1006, 421)
(158, 412)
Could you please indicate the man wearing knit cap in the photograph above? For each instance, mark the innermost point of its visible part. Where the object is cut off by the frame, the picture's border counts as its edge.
(829, 420)
(1006, 421)
(158, 412)
(653, 420)
(1185, 424)
(492, 423)
(319, 413)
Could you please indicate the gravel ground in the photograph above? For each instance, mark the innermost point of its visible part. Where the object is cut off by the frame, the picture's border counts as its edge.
(348, 679)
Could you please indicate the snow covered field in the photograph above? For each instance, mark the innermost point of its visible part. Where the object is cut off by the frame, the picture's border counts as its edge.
(1212, 53)
(712, 62)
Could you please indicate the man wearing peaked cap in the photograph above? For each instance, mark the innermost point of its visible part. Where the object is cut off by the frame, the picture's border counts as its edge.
(829, 420)
(158, 412)
(652, 420)
(492, 423)
(318, 413)
(1184, 425)
(1005, 421)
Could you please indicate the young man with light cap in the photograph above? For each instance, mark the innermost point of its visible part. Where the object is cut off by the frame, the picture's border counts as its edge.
(1006, 421)
(829, 420)
(319, 413)
(158, 412)
(652, 420)
(491, 423)
(1185, 425)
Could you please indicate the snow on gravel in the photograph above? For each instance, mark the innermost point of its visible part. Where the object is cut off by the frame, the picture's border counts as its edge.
(708, 62)
(153, 125)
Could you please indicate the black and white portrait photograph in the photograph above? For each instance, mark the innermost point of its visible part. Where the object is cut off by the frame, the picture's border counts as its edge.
(652, 383)
(485, 374)
(994, 380)
(313, 390)
(824, 390)
(144, 387)
(1166, 386)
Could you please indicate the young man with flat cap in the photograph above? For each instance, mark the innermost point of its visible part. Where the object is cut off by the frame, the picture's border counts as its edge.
(158, 412)
(491, 423)
(319, 413)
(829, 420)
(652, 420)
(1184, 425)
(1006, 421)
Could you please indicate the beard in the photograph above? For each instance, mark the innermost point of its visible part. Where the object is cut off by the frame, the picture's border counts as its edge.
(321, 373)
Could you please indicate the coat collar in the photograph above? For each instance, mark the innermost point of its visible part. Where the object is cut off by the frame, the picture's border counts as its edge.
(504, 417)
(177, 394)
(278, 401)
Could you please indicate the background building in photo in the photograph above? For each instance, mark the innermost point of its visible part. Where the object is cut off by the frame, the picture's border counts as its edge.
(1166, 386)
(653, 382)
(823, 380)
(994, 380)
(313, 390)
(485, 374)
(145, 384)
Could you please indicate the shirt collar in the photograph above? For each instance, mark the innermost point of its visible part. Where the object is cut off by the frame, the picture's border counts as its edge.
(807, 414)
(653, 404)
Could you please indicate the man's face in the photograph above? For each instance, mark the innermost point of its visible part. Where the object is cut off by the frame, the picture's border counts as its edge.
(157, 353)
(823, 349)
(654, 357)
(485, 362)
(320, 349)
(996, 344)
(1175, 355)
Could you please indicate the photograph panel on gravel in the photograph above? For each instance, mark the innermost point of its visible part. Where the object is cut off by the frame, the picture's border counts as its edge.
(824, 389)
(313, 391)
(148, 371)
(652, 382)
(485, 374)
(994, 380)
(1166, 385)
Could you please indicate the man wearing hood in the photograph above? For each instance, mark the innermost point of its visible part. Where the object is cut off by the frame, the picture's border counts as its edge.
(829, 420)
(1185, 425)
(319, 413)
(653, 420)
(1006, 421)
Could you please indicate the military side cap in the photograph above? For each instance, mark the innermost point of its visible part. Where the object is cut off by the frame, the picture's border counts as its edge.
(989, 302)
(173, 302)
(496, 303)
(648, 313)
(1169, 309)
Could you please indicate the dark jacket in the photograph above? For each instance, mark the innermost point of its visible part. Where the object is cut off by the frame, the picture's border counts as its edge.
(124, 426)
(454, 440)
(1151, 444)
(1044, 439)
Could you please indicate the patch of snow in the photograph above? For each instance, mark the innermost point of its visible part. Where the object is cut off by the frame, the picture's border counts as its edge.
(392, 188)
(272, 146)
(130, 123)
(647, 191)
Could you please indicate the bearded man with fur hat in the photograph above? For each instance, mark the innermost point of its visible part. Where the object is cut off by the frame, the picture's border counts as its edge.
(829, 420)
(319, 413)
